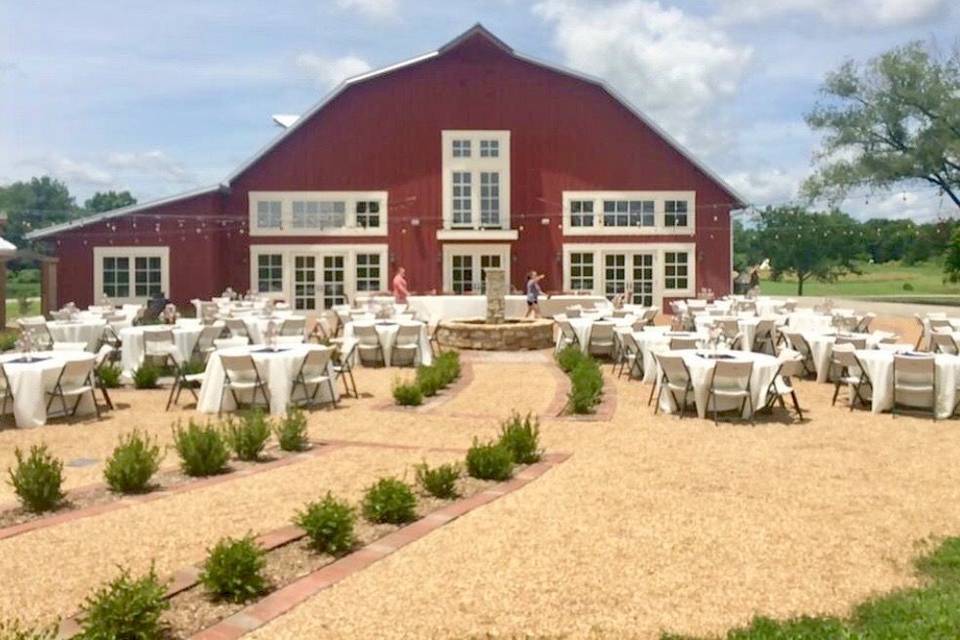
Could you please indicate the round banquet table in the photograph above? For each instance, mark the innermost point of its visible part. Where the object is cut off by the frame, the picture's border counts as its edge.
(185, 336)
(277, 369)
(653, 342)
(747, 326)
(878, 363)
(821, 348)
(88, 331)
(29, 382)
(387, 333)
(583, 327)
(765, 367)
(809, 322)
(257, 325)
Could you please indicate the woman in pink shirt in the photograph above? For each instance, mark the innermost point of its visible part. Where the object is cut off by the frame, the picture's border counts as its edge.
(400, 286)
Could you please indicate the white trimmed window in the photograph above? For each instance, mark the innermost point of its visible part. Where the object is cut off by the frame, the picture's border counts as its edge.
(317, 276)
(464, 266)
(476, 179)
(581, 271)
(628, 212)
(131, 274)
(318, 213)
(676, 270)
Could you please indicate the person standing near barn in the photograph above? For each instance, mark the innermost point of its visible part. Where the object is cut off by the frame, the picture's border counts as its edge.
(533, 294)
(400, 286)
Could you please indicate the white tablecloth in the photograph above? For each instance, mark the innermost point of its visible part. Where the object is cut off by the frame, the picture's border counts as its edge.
(583, 327)
(277, 369)
(747, 327)
(257, 325)
(653, 342)
(88, 331)
(764, 369)
(436, 308)
(29, 383)
(131, 350)
(879, 366)
(809, 322)
(821, 347)
(388, 336)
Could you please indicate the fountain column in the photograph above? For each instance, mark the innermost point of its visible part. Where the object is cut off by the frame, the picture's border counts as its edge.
(496, 282)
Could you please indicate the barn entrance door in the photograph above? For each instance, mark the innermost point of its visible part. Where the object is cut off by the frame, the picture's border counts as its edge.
(631, 272)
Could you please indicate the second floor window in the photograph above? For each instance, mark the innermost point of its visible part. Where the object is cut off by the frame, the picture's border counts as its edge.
(581, 213)
(462, 197)
(269, 214)
(675, 213)
(489, 199)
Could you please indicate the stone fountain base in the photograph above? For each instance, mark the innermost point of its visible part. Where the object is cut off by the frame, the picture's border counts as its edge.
(511, 335)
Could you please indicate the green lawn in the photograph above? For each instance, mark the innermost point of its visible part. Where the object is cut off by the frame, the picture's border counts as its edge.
(877, 280)
(928, 612)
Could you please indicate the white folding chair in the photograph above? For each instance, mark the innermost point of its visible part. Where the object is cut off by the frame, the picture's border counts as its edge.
(104, 355)
(943, 343)
(206, 341)
(791, 365)
(573, 312)
(75, 380)
(798, 343)
(864, 325)
(630, 355)
(764, 337)
(914, 375)
(313, 373)
(238, 328)
(183, 380)
(343, 368)
(568, 337)
(850, 373)
(240, 373)
(407, 345)
(36, 328)
(294, 327)
(369, 348)
(680, 343)
(158, 344)
(601, 339)
(7, 391)
(676, 379)
(730, 380)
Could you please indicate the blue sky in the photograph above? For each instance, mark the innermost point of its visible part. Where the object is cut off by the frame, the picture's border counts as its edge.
(160, 97)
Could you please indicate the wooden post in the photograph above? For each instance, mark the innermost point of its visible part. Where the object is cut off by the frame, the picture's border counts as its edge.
(48, 285)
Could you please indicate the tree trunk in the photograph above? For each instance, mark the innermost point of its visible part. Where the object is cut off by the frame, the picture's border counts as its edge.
(799, 285)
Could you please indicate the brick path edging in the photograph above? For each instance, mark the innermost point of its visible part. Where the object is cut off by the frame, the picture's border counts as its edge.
(286, 598)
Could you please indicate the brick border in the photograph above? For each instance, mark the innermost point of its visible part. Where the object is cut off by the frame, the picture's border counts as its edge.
(286, 598)
(442, 397)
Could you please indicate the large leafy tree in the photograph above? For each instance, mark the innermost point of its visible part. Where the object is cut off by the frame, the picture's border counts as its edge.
(809, 246)
(108, 200)
(34, 204)
(889, 123)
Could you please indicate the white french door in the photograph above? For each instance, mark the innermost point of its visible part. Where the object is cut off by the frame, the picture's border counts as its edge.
(305, 282)
(633, 272)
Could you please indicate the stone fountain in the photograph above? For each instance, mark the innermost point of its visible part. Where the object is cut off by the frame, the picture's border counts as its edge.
(495, 332)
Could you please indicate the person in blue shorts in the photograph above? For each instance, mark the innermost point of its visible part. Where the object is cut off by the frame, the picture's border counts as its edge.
(533, 294)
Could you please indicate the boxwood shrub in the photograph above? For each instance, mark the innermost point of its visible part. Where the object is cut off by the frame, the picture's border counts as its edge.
(37, 479)
(521, 436)
(390, 501)
(489, 461)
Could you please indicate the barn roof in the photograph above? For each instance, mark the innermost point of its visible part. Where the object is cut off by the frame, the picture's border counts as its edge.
(477, 29)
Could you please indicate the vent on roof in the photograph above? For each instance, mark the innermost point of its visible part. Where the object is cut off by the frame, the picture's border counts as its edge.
(285, 120)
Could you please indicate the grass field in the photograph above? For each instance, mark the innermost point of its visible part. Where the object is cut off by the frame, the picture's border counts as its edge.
(890, 279)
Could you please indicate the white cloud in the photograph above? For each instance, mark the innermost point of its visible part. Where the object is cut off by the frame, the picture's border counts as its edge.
(675, 66)
(768, 186)
(374, 9)
(72, 171)
(851, 13)
(154, 164)
(328, 72)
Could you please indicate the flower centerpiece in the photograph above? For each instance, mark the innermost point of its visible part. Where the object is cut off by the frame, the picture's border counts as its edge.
(384, 311)
(229, 293)
(26, 346)
(270, 335)
(169, 314)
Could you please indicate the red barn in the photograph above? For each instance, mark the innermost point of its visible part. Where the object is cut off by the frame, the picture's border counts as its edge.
(467, 157)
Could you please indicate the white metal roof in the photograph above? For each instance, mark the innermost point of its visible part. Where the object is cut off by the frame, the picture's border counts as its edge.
(6, 247)
(369, 75)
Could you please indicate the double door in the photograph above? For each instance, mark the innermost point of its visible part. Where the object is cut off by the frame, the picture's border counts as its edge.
(319, 282)
(633, 273)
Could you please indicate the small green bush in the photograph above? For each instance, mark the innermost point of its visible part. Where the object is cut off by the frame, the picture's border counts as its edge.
(407, 394)
(110, 376)
(126, 609)
(448, 366)
(203, 450)
(8, 340)
(191, 367)
(390, 501)
(430, 380)
(291, 430)
(329, 525)
(37, 479)
(586, 386)
(13, 630)
(441, 481)
(248, 436)
(521, 436)
(146, 376)
(489, 461)
(570, 357)
(132, 463)
(233, 570)
(907, 286)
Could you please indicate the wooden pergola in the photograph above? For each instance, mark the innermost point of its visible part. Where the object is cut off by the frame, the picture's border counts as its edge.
(48, 279)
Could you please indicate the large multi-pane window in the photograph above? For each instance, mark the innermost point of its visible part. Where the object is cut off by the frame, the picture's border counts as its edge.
(306, 214)
(305, 282)
(116, 277)
(270, 273)
(581, 213)
(147, 276)
(461, 148)
(675, 213)
(368, 272)
(629, 213)
(675, 270)
(581, 271)
(270, 214)
(642, 285)
(462, 273)
(489, 199)
(462, 197)
(489, 148)
(368, 213)
(614, 274)
(334, 291)
(333, 214)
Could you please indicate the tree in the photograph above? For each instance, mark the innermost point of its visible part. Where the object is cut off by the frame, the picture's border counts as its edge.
(109, 200)
(35, 204)
(821, 246)
(951, 259)
(746, 248)
(893, 122)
